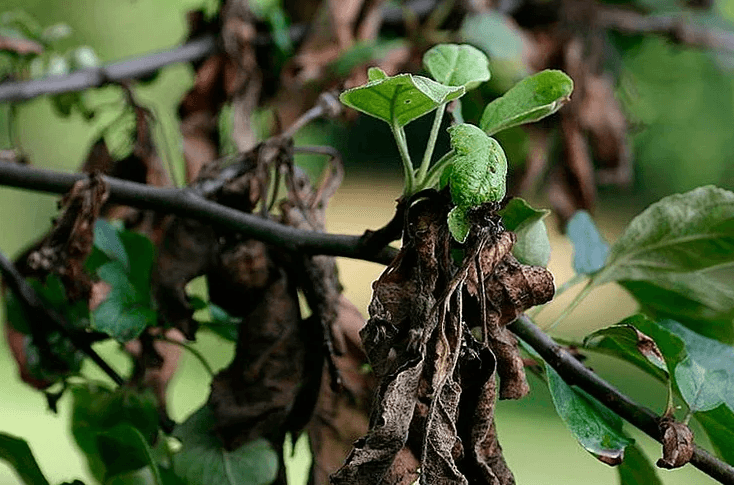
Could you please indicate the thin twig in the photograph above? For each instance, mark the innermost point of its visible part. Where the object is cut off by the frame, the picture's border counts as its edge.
(575, 373)
(187, 203)
(39, 312)
(146, 65)
(674, 27)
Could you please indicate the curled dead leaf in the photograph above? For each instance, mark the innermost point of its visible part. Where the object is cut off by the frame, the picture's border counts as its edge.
(677, 444)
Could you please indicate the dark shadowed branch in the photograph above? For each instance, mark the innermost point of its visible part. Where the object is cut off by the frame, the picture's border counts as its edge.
(187, 203)
(39, 314)
(575, 373)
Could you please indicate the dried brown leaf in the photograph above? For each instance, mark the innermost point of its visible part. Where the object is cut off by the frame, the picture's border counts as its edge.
(677, 444)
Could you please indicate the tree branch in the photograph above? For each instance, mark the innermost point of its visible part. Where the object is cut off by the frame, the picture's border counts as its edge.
(110, 73)
(187, 203)
(673, 27)
(575, 373)
(146, 65)
(39, 312)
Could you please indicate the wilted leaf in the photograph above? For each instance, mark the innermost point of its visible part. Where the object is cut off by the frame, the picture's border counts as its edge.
(400, 99)
(595, 427)
(590, 250)
(628, 343)
(636, 468)
(203, 460)
(677, 444)
(457, 65)
(18, 455)
(532, 246)
(124, 449)
(683, 244)
(532, 99)
(719, 426)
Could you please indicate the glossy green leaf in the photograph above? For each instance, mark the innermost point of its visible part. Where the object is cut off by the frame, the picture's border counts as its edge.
(376, 74)
(530, 100)
(123, 449)
(16, 453)
(719, 426)
(590, 250)
(637, 469)
(457, 65)
(477, 173)
(400, 99)
(626, 342)
(595, 427)
(532, 246)
(203, 460)
(683, 245)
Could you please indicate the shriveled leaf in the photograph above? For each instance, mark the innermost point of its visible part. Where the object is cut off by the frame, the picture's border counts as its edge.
(532, 246)
(590, 250)
(400, 99)
(457, 65)
(530, 100)
(203, 460)
(682, 245)
(637, 468)
(124, 449)
(16, 453)
(595, 427)
(677, 444)
(719, 426)
(628, 343)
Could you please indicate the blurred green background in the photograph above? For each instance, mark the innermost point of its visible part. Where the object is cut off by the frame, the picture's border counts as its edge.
(681, 105)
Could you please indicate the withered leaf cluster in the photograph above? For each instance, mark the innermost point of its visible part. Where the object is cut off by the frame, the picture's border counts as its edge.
(434, 407)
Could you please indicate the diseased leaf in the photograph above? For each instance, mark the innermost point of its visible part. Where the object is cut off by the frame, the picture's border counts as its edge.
(628, 343)
(595, 427)
(124, 449)
(637, 469)
(677, 444)
(457, 65)
(532, 99)
(590, 250)
(477, 173)
(719, 426)
(532, 246)
(400, 99)
(681, 246)
(16, 453)
(203, 459)
(671, 346)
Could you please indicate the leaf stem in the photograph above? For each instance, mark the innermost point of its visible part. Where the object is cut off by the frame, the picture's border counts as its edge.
(399, 134)
(431, 145)
(434, 174)
(572, 306)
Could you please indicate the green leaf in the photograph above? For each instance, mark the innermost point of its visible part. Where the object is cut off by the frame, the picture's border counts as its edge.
(55, 33)
(532, 246)
(595, 427)
(57, 66)
(496, 35)
(203, 460)
(590, 250)
(626, 342)
(376, 74)
(107, 239)
(530, 100)
(125, 313)
(682, 245)
(142, 255)
(637, 469)
(457, 65)
(96, 409)
(398, 100)
(123, 449)
(65, 102)
(222, 323)
(671, 345)
(477, 174)
(18, 455)
(706, 377)
(719, 426)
